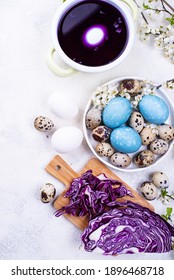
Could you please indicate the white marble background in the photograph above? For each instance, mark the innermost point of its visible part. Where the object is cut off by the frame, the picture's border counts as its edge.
(28, 228)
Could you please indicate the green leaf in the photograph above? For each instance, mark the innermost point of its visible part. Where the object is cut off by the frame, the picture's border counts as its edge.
(146, 7)
(169, 211)
(163, 192)
(171, 20)
(164, 217)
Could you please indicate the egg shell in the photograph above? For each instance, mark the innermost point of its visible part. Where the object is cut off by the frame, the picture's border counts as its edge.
(43, 124)
(166, 131)
(104, 149)
(136, 121)
(131, 86)
(120, 160)
(154, 109)
(93, 118)
(67, 139)
(117, 112)
(48, 192)
(144, 158)
(147, 135)
(160, 180)
(125, 139)
(101, 133)
(63, 105)
(149, 190)
(159, 147)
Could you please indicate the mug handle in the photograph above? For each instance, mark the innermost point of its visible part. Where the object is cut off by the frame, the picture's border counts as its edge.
(133, 7)
(57, 70)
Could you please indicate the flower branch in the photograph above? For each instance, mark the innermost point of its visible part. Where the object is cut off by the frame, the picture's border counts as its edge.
(155, 26)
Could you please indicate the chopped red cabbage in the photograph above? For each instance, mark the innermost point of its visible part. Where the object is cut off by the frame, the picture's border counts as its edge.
(91, 195)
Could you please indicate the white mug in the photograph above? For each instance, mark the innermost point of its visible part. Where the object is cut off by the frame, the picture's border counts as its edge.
(93, 35)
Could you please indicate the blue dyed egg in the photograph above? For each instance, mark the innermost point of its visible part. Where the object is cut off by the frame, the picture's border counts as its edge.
(117, 112)
(125, 139)
(154, 109)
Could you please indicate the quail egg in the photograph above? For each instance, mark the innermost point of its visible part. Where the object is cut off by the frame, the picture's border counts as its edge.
(160, 180)
(165, 132)
(136, 121)
(144, 158)
(93, 118)
(131, 86)
(149, 190)
(104, 149)
(43, 124)
(48, 192)
(120, 160)
(159, 147)
(147, 135)
(101, 133)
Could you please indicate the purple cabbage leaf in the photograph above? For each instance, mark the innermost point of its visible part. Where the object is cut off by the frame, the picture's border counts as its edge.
(91, 195)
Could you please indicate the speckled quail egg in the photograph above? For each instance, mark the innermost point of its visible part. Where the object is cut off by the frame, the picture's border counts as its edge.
(104, 149)
(43, 124)
(166, 132)
(144, 158)
(147, 135)
(93, 118)
(136, 121)
(101, 133)
(48, 192)
(160, 180)
(149, 190)
(120, 160)
(159, 147)
(131, 86)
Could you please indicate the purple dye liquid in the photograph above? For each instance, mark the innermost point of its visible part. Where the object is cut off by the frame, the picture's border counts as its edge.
(93, 33)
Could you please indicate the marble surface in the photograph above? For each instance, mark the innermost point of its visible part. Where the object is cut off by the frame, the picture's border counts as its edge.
(28, 228)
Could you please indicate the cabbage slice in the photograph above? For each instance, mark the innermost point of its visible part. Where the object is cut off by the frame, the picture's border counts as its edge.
(128, 229)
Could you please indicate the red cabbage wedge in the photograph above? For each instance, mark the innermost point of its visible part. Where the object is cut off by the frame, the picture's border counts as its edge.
(129, 229)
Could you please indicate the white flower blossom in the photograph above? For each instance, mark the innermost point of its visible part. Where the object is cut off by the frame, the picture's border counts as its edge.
(125, 94)
(165, 200)
(155, 26)
(144, 32)
(102, 95)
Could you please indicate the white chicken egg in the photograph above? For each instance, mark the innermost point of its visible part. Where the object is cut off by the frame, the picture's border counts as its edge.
(63, 105)
(66, 139)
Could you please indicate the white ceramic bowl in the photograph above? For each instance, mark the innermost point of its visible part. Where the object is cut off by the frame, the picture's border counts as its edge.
(132, 167)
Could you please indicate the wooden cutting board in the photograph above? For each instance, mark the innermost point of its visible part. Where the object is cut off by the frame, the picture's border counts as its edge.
(64, 173)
